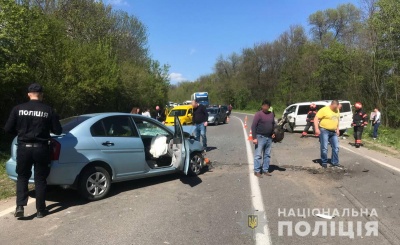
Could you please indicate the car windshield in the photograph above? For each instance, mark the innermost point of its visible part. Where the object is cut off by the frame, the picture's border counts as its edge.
(71, 122)
(178, 113)
(202, 99)
(212, 111)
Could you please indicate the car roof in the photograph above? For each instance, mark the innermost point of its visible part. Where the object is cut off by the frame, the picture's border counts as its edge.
(182, 107)
(323, 102)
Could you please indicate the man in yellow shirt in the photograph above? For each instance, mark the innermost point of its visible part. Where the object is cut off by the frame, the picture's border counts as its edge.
(326, 124)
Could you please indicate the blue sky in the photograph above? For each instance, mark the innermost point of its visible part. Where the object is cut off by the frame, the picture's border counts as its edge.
(190, 35)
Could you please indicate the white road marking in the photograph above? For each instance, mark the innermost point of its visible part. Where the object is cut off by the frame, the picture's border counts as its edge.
(12, 209)
(257, 200)
(372, 159)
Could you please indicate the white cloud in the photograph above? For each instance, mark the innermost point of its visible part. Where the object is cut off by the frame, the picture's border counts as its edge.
(192, 51)
(176, 77)
(118, 2)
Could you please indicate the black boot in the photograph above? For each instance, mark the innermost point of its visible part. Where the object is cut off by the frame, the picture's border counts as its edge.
(357, 145)
(19, 212)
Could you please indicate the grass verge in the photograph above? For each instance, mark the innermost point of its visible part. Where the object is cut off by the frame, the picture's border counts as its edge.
(7, 186)
(387, 141)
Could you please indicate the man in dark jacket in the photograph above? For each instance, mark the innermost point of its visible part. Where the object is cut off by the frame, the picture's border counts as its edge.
(263, 128)
(33, 122)
(159, 114)
(360, 120)
(200, 119)
(310, 120)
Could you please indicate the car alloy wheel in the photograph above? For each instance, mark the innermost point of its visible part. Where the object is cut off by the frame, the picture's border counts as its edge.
(196, 162)
(94, 183)
(97, 184)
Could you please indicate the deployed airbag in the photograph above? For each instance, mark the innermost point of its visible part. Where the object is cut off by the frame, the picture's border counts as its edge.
(159, 146)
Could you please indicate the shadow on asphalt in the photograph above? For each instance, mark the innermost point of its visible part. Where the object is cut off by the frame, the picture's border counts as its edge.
(211, 148)
(319, 161)
(192, 181)
(64, 199)
(273, 168)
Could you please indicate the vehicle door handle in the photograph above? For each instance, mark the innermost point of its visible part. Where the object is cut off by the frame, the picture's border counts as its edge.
(108, 143)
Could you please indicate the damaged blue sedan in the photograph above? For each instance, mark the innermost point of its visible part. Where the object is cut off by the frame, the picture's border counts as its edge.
(96, 150)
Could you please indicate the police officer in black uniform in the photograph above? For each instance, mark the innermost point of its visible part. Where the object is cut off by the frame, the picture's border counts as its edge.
(32, 122)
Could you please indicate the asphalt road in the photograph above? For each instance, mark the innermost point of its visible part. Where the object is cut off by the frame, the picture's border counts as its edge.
(213, 208)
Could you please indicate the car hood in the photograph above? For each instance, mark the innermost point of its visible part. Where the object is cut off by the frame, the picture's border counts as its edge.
(188, 129)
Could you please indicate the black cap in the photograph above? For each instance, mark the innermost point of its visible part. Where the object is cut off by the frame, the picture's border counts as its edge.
(35, 88)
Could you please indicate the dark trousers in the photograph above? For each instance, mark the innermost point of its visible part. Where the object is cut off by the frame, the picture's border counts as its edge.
(39, 157)
(358, 130)
(308, 125)
(376, 126)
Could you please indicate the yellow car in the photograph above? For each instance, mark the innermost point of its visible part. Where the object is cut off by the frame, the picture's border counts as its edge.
(184, 112)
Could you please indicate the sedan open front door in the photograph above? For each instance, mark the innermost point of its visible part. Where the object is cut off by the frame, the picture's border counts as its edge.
(181, 154)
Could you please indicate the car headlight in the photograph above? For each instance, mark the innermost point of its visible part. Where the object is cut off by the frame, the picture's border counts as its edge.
(211, 118)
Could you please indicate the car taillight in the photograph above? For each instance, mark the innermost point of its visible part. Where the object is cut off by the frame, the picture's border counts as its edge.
(55, 150)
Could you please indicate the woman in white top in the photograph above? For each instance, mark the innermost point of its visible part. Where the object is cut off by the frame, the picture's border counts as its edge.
(376, 122)
(146, 113)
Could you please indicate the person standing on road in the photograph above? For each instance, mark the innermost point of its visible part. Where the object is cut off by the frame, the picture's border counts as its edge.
(310, 120)
(160, 114)
(263, 129)
(200, 120)
(326, 125)
(230, 110)
(360, 120)
(376, 122)
(32, 122)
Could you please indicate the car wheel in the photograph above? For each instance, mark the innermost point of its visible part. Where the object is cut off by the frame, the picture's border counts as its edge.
(288, 128)
(195, 165)
(94, 183)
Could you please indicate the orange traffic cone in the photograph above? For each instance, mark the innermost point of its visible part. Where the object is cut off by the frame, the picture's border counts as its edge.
(206, 161)
(245, 124)
(250, 136)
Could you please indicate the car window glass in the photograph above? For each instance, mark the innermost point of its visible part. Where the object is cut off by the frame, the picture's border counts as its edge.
(291, 109)
(345, 107)
(212, 111)
(70, 123)
(190, 111)
(178, 113)
(303, 109)
(320, 106)
(97, 129)
(148, 128)
(115, 126)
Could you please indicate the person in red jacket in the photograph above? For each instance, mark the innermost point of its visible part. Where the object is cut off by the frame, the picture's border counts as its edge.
(310, 120)
(360, 120)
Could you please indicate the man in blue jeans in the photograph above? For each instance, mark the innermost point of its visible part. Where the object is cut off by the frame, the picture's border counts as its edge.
(263, 128)
(200, 120)
(326, 124)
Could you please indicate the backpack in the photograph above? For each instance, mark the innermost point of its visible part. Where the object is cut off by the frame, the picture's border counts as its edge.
(279, 134)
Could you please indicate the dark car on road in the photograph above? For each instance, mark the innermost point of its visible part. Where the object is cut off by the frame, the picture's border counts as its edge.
(216, 115)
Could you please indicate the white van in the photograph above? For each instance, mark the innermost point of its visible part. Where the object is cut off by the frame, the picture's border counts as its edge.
(297, 114)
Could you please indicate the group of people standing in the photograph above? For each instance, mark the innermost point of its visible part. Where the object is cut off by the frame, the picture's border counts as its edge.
(325, 124)
(159, 114)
